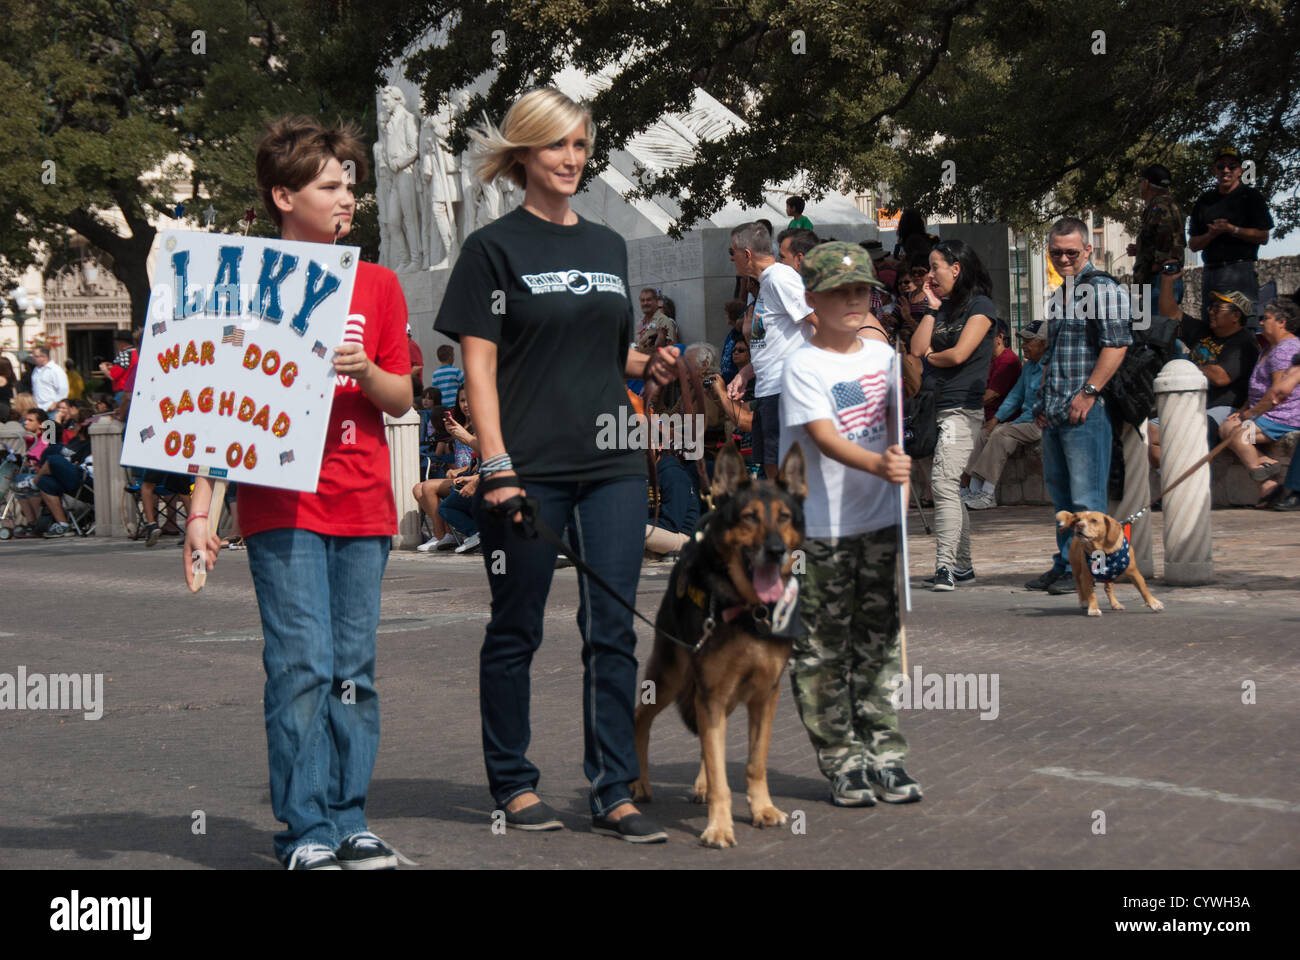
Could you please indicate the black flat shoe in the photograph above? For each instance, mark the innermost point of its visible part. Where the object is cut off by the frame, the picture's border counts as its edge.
(1290, 502)
(634, 828)
(538, 817)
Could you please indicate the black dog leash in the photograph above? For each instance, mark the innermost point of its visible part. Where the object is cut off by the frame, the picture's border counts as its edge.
(531, 526)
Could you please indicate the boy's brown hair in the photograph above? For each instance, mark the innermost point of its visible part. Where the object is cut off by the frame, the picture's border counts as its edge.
(446, 353)
(292, 151)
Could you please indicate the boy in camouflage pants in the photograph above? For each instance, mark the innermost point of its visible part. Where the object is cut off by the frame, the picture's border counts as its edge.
(834, 404)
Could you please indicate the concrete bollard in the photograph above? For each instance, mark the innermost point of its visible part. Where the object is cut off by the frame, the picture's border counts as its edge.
(110, 476)
(404, 463)
(1137, 496)
(1180, 398)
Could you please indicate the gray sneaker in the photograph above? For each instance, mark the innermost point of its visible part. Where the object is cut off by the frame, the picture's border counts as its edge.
(59, 530)
(852, 789)
(893, 785)
(470, 544)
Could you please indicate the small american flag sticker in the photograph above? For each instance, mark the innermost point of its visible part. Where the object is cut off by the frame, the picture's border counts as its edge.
(319, 349)
(159, 328)
(146, 433)
(286, 457)
(232, 334)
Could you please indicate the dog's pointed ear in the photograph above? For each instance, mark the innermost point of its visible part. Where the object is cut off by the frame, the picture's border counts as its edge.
(1065, 519)
(728, 472)
(793, 476)
(1114, 532)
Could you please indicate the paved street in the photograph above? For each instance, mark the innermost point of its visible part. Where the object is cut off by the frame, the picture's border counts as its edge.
(1137, 715)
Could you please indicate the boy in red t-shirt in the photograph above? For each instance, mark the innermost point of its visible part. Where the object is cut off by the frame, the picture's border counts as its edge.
(317, 559)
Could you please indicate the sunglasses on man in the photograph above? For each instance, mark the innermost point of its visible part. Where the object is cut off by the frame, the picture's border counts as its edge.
(1056, 253)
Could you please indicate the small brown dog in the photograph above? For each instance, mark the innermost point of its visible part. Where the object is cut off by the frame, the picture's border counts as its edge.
(1100, 552)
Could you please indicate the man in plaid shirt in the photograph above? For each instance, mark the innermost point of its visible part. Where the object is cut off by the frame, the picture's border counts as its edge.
(1069, 409)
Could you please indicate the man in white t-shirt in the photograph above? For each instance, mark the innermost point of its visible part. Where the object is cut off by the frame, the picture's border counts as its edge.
(782, 323)
(49, 381)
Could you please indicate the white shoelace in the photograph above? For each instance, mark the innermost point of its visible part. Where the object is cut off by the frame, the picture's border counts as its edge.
(309, 853)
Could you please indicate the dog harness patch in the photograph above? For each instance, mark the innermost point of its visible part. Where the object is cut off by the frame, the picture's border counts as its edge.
(1107, 566)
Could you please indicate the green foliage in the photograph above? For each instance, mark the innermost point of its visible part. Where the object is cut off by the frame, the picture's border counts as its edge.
(107, 90)
(1010, 90)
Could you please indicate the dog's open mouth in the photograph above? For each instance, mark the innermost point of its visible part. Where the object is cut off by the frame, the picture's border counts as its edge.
(767, 582)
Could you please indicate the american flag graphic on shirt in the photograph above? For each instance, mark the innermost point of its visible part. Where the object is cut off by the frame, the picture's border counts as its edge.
(861, 402)
(353, 332)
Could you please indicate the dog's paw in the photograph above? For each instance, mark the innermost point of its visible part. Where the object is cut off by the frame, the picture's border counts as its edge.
(641, 791)
(1094, 612)
(1116, 605)
(699, 796)
(769, 817)
(719, 835)
(1155, 605)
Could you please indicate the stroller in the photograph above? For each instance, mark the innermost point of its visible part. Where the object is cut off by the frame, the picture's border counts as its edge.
(10, 464)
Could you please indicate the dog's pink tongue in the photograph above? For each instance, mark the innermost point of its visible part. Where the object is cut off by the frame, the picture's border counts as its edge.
(767, 582)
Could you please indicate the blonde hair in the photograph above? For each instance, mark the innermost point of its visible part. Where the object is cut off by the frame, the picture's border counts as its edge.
(537, 119)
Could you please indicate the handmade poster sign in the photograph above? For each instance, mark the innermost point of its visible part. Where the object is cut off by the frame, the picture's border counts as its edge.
(235, 376)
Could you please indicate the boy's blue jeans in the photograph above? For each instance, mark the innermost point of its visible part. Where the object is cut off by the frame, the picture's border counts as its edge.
(606, 528)
(1076, 468)
(319, 600)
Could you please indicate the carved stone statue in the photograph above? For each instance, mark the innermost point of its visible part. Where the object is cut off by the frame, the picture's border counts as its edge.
(383, 183)
(400, 136)
(437, 176)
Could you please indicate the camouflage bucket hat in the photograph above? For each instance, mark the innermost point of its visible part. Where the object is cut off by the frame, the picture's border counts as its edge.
(830, 265)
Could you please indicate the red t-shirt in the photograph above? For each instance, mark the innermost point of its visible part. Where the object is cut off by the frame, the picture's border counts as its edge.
(354, 497)
(417, 356)
(1004, 371)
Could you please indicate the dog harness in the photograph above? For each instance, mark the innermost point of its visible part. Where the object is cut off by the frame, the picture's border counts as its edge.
(1107, 566)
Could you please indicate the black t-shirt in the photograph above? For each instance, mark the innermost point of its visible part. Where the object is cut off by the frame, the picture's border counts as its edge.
(1236, 354)
(962, 387)
(554, 300)
(1244, 207)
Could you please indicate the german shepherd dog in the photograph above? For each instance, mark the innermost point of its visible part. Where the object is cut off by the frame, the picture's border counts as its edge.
(722, 591)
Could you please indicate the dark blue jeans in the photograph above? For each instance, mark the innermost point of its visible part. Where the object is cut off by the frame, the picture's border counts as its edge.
(1292, 481)
(457, 509)
(606, 528)
(319, 601)
(1076, 466)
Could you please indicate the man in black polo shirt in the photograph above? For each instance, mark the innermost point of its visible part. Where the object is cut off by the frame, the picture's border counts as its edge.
(1228, 226)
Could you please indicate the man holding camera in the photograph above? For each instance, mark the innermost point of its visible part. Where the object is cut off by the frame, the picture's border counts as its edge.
(1160, 237)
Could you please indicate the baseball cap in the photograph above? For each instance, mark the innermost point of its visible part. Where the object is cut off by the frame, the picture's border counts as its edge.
(1158, 175)
(1237, 299)
(834, 264)
(1034, 330)
(1228, 151)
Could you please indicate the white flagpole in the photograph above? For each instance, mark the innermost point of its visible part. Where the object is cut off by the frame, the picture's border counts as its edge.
(904, 584)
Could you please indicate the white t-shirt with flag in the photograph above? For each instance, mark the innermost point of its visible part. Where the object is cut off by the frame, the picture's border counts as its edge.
(853, 391)
(777, 330)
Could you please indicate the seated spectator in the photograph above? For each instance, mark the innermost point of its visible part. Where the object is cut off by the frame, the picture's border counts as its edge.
(430, 494)
(1222, 349)
(703, 358)
(23, 404)
(456, 510)
(1273, 418)
(735, 311)
(1011, 426)
(432, 432)
(175, 486)
(1283, 388)
(60, 469)
(679, 505)
(1004, 370)
(657, 327)
(739, 413)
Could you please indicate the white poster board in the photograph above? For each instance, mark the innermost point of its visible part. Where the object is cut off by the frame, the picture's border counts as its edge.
(236, 377)
(904, 490)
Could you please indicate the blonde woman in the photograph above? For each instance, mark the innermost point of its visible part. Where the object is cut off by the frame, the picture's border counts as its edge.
(539, 302)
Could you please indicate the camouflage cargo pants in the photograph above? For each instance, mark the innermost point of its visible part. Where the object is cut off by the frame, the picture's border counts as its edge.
(841, 670)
